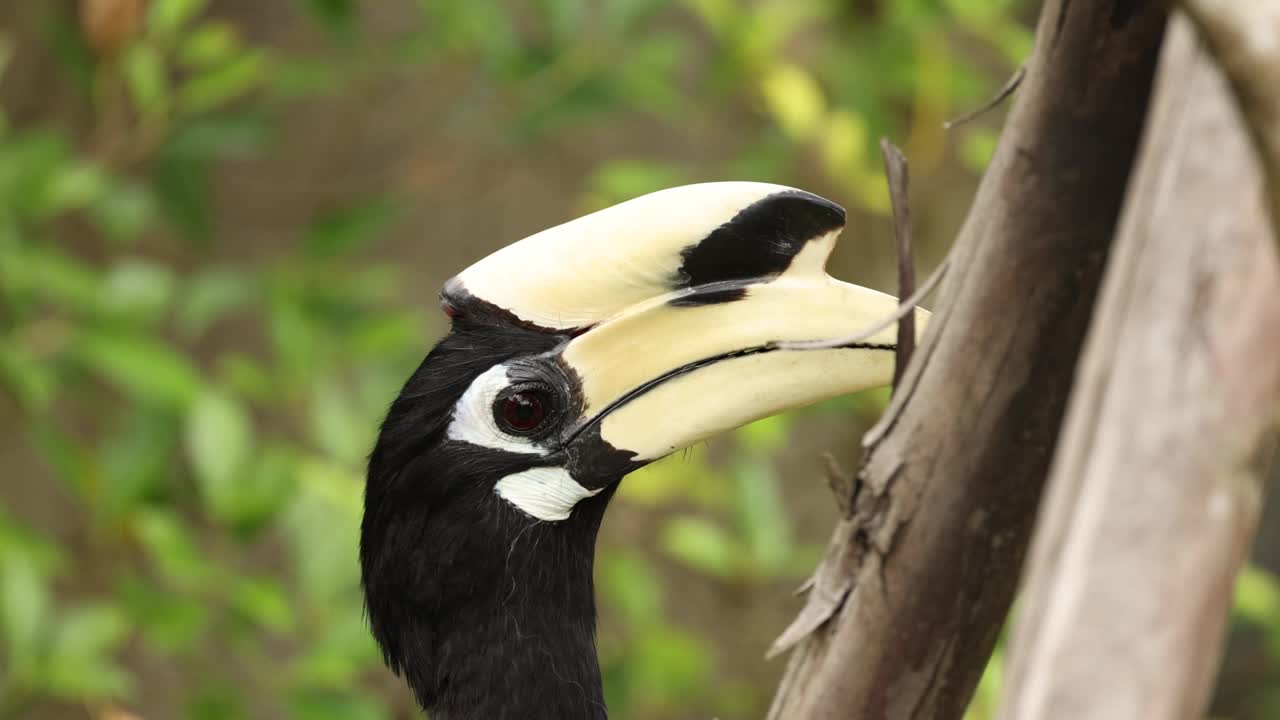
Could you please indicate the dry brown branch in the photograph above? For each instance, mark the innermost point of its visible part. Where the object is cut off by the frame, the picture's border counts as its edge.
(1157, 483)
(905, 607)
(895, 167)
(1245, 39)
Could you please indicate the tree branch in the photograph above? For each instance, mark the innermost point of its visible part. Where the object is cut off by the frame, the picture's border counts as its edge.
(895, 168)
(1245, 38)
(905, 607)
(1157, 484)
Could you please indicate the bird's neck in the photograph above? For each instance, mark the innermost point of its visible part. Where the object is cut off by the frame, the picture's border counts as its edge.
(528, 655)
(502, 630)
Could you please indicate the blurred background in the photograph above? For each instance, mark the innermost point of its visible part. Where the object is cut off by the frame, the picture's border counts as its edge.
(223, 225)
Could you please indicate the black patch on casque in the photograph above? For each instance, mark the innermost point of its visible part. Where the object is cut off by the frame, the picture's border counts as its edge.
(759, 242)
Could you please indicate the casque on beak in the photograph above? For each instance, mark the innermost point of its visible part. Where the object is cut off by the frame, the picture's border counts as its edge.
(674, 305)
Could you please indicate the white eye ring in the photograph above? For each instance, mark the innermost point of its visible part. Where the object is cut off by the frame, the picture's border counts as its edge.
(473, 420)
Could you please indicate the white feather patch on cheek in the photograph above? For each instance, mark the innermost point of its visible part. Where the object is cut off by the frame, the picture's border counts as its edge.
(546, 493)
(473, 416)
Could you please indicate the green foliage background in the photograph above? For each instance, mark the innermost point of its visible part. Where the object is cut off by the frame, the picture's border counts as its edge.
(189, 410)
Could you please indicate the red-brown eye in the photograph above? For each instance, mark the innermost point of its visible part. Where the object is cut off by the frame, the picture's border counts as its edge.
(523, 411)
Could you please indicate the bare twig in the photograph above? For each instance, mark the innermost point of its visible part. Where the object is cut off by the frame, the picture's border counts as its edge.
(895, 168)
(1009, 87)
(861, 335)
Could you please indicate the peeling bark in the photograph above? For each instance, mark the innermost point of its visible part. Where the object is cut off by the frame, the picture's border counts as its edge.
(1157, 484)
(907, 604)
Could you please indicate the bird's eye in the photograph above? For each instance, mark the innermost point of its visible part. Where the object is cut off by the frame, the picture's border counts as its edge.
(523, 412)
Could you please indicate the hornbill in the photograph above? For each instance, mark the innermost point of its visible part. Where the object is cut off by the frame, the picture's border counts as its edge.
(576, 356)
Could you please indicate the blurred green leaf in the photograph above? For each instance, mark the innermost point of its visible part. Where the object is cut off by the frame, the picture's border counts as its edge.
(1257, 597)
(223, 83)
(620, 180)
(323, 522)
(767, 435)
(24, 609)
(670, 666)
(761, 515)
(211, 43)
(219, 443)
(33, 382)
(335, 426)
(682, 476)
(794, 98)
(80, 664)
(49, 275)
(701, 544)
(166, 17)
(182, 189)
(844, 141)
(30, 165)
(718, 15)
(294, 338)
(124, 211)
(340, 655)
(264, 603)
(318, 704)
(388, 335)
(629, 585)
(871, 403)
(73, 187)
(170, 622)
(147, 77)
(74, 463)
(138, 289)
(349, 228)
(977, 147)
(141, 367)
(136, 458)
(210, 295)
(271, 485)
(171, 550)
(246, 376)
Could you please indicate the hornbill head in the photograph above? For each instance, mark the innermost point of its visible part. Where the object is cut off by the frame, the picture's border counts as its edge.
(576, 356)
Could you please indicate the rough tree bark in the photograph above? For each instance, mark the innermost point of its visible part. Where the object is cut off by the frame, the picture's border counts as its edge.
(905, 608)
(1157, 484)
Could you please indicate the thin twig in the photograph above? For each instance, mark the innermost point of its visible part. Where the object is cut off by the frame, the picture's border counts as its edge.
(905, 307)
(895, 168)
(1001, 95)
